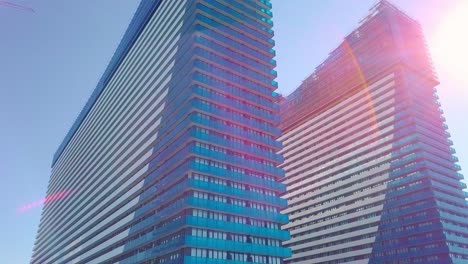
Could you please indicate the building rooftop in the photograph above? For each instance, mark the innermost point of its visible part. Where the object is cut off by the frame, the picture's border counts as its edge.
(386, 33)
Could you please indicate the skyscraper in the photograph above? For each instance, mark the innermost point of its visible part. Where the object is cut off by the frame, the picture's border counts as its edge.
(173, 159)
(370, 171)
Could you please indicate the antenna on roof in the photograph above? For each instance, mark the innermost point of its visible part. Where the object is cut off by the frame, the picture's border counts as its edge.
(16, 6)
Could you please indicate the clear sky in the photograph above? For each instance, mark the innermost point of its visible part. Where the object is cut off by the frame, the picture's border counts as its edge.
(51, 60)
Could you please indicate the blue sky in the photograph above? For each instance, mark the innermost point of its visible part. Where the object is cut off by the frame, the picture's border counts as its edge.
(51, 60)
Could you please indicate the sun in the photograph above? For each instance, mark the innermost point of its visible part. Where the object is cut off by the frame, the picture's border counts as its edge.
(449, 44)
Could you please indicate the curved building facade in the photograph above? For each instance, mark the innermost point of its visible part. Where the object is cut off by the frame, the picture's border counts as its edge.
(173, 159)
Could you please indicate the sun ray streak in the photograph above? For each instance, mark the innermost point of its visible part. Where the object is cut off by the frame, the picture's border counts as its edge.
(45, 200)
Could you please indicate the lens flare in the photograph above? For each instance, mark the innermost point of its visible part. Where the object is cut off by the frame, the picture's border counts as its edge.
(449, 43)
(47, 199)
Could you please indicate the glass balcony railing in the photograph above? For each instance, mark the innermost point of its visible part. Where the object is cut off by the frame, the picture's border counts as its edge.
(241, 16)
(220, 244)
(238, 228)
(236, 55)
(237, 176)
(216, 109)
(231, 191)
(234, 145)
(226, 87)
(219, 125)
(236, 209)
(227, 158)
(200, 260)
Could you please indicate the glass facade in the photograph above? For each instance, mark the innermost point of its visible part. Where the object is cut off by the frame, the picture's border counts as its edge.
(174, 158)
(371, 175)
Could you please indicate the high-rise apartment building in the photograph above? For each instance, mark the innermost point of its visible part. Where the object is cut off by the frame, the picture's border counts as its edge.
(370, 171)
(173, 159)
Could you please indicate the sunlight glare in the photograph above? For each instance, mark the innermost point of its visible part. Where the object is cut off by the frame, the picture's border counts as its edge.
(449, 45)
